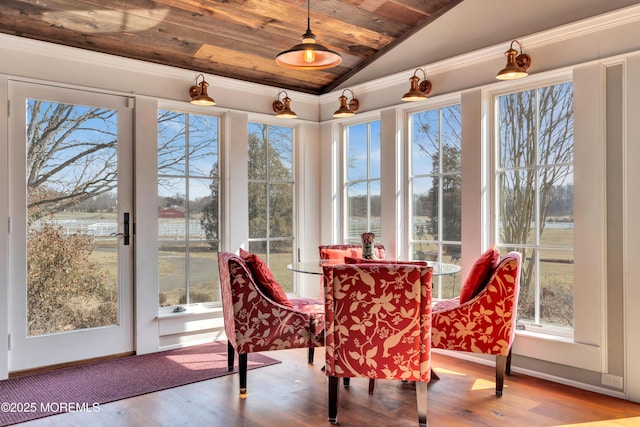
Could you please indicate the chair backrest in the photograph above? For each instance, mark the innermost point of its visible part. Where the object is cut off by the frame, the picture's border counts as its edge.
(339, 252)
(230, 264)
(492, 314)
(378, 321)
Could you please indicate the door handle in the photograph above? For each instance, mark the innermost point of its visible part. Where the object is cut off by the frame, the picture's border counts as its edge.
(126, 230)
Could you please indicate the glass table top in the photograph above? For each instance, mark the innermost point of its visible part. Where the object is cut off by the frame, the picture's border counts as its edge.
(315, 266)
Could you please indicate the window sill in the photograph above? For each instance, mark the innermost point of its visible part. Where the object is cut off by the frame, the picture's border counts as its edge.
(190, 310)
(557, 349)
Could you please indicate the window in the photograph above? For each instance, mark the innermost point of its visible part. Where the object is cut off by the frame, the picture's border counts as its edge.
(435, 179)
(362, 184)
(534, 187)
(271, 202)
(188, 208)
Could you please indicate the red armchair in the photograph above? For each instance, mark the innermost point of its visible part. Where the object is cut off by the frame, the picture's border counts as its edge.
(254, 322)
(378, 325)
(486, 323)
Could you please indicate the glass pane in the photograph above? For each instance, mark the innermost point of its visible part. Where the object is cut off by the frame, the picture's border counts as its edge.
(374, 150)
(425, 142)
(281, 154)
(517, 202)
(171, 209)
(555, 137)
(451, 253)
(281, 255)
(517, 129)
(451, 139)
(425, 209)
(451, 208)
(425, 251)
(72, 260)
(257, 210)
(374, 207)
(527, 295)
(257, 151)
(357, 211)
(556, 210)
(201, 200)
(172, 273)
(556, 295)
(171, 143)
(281, 210)
(357, 153)
(206, 209)
(203, 146)
(203, 272)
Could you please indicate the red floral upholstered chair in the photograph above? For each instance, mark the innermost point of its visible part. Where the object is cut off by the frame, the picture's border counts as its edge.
(342, 253)
(486, 322)
(378, 326)
(255, 321)
(339, 252)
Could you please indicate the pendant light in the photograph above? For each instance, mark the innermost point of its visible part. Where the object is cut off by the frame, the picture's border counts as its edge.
(308, 55)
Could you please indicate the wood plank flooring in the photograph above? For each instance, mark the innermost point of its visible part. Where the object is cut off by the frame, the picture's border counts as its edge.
(294, 394)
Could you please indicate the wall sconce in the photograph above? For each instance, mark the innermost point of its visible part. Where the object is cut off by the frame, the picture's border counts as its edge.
(283, 108)
(419, 89)
(347, 109)
(517, 64)
(308, 55)
(198, 93)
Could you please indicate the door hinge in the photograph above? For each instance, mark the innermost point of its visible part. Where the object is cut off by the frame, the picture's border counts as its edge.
(9, 342)
(9, 225)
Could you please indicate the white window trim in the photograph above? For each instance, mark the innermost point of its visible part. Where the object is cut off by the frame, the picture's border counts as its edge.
(588, 343)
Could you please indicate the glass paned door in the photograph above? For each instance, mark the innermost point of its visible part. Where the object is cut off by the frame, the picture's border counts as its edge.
(71, 225)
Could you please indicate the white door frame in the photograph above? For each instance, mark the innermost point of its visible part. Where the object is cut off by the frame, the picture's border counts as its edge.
(30, 352)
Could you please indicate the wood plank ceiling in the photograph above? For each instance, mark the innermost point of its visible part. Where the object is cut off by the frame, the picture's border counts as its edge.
(232, 38)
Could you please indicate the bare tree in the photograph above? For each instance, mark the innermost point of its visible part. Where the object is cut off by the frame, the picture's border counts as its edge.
(63, 166)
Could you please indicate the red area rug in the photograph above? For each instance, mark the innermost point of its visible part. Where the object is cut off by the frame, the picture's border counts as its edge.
(85, 387)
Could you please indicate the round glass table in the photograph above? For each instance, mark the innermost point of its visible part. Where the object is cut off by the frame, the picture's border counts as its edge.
(315, 267)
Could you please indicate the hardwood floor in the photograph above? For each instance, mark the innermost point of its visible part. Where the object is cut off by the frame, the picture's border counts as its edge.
(294, 393)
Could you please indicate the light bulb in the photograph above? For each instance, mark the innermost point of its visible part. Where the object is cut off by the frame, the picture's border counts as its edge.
(309, 55)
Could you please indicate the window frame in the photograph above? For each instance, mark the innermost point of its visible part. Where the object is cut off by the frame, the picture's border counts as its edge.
(195, 111)
(587, 343)
(294, 188)
(444, 102)
(344, 182)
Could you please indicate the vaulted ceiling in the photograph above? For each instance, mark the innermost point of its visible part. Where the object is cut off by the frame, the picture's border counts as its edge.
(232, 38)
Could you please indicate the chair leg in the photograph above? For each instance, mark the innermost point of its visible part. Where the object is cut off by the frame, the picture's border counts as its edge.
(242, 369)
(421, 397)
(508, 368)
(501, 366)
(230, 356)
(372, 385)
(333, 400)
(311, 353)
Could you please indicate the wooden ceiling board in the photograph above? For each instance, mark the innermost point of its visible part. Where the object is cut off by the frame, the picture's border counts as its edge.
(232, 38)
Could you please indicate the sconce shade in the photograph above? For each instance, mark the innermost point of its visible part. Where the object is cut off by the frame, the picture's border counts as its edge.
(283, 108)
(517, 64)
(418, 90)
(308, 55)
(347, 110)
(198, 93)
